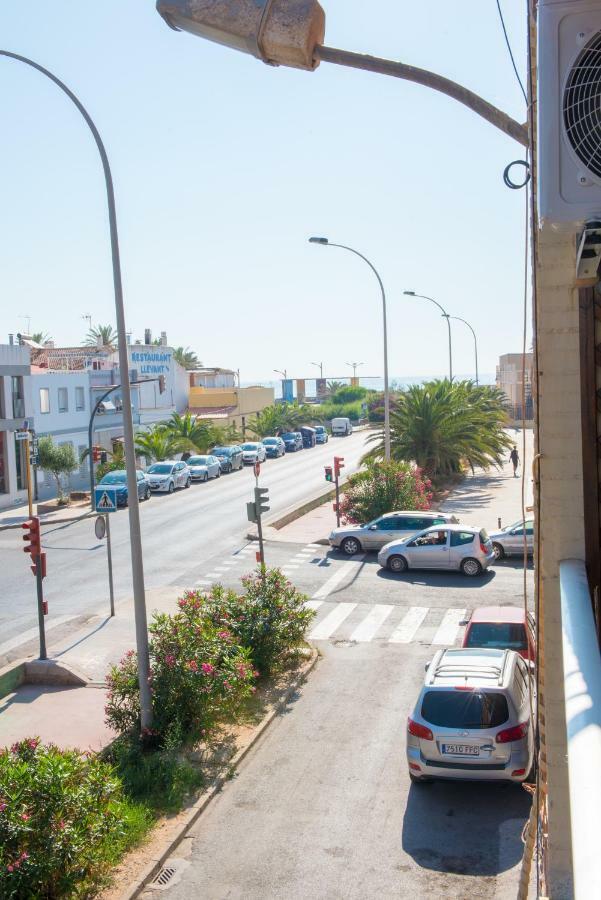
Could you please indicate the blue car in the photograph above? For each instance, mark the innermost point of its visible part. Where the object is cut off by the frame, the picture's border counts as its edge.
(293, 441)
(321, 434)
(118, 479)
(274, 447)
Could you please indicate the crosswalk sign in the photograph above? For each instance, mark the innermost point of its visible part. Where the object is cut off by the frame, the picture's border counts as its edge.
(105, 499)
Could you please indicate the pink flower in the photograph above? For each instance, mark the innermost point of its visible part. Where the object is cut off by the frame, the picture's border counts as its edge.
(208, 669)
(256, 673)
(26, 817)
(193, 665)
(224, 635)
(227, 685)
(25, 855)
(61, 824)
(129, 654)
(3, 805)
(170, 660)
(10, 868)
(33, 743)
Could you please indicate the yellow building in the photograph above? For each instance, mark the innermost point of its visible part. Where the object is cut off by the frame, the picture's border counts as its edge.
(214, 396)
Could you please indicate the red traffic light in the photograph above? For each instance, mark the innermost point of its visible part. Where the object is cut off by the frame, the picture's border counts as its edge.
(338, 465)
(96, 454)
(34, 567)
(33, 546)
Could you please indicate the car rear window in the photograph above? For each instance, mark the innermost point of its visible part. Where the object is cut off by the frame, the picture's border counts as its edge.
(501, 635)
(465, 709)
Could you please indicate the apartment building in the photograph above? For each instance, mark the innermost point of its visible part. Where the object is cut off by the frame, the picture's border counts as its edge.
(15, 408)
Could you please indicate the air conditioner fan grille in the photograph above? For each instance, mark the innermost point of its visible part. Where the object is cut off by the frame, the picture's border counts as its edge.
(582, 106)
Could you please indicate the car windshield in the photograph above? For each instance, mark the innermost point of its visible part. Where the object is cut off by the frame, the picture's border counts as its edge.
(502, 635)
(289, 436)
(160, 469)
(198, 460)
(250, 446)
(221, 451)
(465, 709)
(270, 441)
(114, 478)
(319, 428)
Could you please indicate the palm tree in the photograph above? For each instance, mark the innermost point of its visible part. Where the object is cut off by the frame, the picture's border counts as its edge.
(186, 358)
(334, 386)
(156, 444)
(190, 433)
(103, 335)
(442, 425)
(40, 337)
(281, 417)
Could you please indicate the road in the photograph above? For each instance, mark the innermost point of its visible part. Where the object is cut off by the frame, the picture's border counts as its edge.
(179, 532)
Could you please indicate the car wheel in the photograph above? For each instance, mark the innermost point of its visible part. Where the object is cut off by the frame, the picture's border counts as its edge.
(171, 487)
(498, 550)
(218, 475)
(471, 567)
(206, 478)
(350, 546)
(397, 564)
(147, 494)
(188, 482)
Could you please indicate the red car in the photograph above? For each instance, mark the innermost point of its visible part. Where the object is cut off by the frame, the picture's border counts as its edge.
(502, 628)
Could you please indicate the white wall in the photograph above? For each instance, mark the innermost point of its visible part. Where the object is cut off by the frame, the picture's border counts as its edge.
(55, 422)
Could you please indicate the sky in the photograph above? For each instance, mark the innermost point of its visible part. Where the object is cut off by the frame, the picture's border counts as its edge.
(223, 167)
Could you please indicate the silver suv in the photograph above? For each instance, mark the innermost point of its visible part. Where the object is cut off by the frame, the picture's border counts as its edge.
(472, 720)
(390, 527)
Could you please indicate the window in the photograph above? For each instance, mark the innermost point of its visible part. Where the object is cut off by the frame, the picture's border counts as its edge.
(3, 484)
(44, 400)
(63, 400)
(459, 538)
(21, 465)
(17, 396)
(465, 709)
(80, 399)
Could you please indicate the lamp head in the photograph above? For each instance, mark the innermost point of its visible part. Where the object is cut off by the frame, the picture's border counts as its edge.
(318, 240)
(410, 293)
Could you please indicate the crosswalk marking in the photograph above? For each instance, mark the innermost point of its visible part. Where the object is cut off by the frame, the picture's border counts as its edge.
(316, 546)
(313, 604)
(334, 580)
(201, 583)
(449, 627)
(332, 621)
(214, 574)
(412, 620)
(366, 630)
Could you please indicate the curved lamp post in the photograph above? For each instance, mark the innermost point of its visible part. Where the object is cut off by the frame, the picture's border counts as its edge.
(326, 243)
(465, 322)
(445, 316)
(128, 428)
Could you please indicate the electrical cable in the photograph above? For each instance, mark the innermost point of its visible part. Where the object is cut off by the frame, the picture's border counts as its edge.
(507, 41)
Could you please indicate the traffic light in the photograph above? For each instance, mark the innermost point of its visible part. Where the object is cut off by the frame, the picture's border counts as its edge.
(338, 465)
(33, 546)
(329, 476)
(162, 387)
(251, 512)
(96, 454)
(34, 567)
(103, 457)
(261, 500)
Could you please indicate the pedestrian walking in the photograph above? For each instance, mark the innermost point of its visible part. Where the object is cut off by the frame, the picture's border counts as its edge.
(515, 459)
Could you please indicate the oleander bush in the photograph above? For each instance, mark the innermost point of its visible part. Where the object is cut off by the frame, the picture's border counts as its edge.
(382, 487)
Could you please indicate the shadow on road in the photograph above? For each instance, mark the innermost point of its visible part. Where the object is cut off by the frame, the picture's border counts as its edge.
(431, 578)
(459, 827)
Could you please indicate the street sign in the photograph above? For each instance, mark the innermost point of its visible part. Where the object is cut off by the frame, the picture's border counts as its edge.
(100, 527)
(105, 499)
(257, 468)
(21, 435)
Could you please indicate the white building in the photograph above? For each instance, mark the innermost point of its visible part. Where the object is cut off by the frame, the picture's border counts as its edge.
(511, 373)
(15, 407)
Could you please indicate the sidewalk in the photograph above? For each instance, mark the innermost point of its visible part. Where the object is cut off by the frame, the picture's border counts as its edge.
(13, 516)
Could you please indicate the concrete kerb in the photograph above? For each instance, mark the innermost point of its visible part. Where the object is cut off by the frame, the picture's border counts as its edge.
(48, 672)
(44, 522)
(292, 513)
(207, 796)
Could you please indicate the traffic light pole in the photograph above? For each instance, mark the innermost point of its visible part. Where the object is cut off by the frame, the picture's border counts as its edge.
(260, 527)
(40, 590)
(337, 483)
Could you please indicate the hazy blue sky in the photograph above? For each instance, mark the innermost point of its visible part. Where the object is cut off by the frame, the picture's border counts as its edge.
(224, 166)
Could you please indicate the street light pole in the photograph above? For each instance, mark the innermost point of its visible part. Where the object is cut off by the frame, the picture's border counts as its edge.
(326, 243)
(320, 367)
(445, 316)
(128, 428)
(355, 366)
(465, 322)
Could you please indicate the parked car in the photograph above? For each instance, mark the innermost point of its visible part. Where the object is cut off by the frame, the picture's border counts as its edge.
(308, 435)
(169, 475)
(502, 628)
(341, 426)
(321, 434)
(353, 539)
(274, 447)
(230, 458)
(118, 479)
(509, 541)
(472, 718)
(460, 548)
(293, 441)
(204, 467)
(253, 452)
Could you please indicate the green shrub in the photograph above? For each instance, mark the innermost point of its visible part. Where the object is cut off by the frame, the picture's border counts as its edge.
(348, 394)
(63, 820)
(383, 487)
(330, 411)
(269, 619)
(199, 676)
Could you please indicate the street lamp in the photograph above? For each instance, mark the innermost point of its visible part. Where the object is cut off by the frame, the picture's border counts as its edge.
(128, 428)
(291, 33)
(465, 322)
(320, 367)
(326, 243)
(283, 373)
(445, 316)
(355, 366)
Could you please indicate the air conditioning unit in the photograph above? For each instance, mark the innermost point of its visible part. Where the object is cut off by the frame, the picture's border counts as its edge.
(569, 112)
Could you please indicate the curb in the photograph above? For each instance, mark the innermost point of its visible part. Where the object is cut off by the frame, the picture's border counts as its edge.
(205, 798)
(44, 522)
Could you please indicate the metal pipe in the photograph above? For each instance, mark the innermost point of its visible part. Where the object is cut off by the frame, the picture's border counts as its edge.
(128, 428)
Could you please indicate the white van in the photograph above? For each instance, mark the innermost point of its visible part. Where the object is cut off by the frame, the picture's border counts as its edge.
(341, 426)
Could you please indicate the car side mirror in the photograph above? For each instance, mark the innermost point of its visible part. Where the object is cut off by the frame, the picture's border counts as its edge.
(427, 666)
(464, 622)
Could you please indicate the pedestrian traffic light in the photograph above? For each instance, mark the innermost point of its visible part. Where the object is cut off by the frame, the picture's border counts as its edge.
(329, 476)
(261, 500)
(34, 567)
(162, 387)
(96, 454)
(103, 457)
(32, 537)
(338, 465)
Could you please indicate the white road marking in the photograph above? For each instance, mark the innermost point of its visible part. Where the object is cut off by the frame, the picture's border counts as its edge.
(228, 562)
(366, 630)
(201, 583)
(289, 567)
(214, 574)
(25, 636)
(316, 546)
(313, 604)
(449, 627)
(405, 632)
(332, 621)
(335, 579)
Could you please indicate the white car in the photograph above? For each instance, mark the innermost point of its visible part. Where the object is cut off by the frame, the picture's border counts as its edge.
(204, 467)
(253, 452)
(168, 475)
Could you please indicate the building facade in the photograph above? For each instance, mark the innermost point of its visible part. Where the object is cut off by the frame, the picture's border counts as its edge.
(514, 378)
(15, 408)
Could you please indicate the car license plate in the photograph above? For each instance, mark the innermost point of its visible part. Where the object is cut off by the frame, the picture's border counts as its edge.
(461, 749)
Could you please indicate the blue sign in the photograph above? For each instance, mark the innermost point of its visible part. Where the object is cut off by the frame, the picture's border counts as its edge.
(288, 390)
(105, 499)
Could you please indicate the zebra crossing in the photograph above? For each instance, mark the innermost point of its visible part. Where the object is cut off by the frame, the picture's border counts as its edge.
(362, 623)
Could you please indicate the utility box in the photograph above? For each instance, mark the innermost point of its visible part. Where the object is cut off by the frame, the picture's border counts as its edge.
(280, 32)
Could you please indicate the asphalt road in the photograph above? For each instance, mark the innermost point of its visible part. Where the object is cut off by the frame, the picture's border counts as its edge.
(179, 533)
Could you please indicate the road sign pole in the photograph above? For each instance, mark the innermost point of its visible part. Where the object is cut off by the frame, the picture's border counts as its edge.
(40, 591)
(337, 495)
(109, 556)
